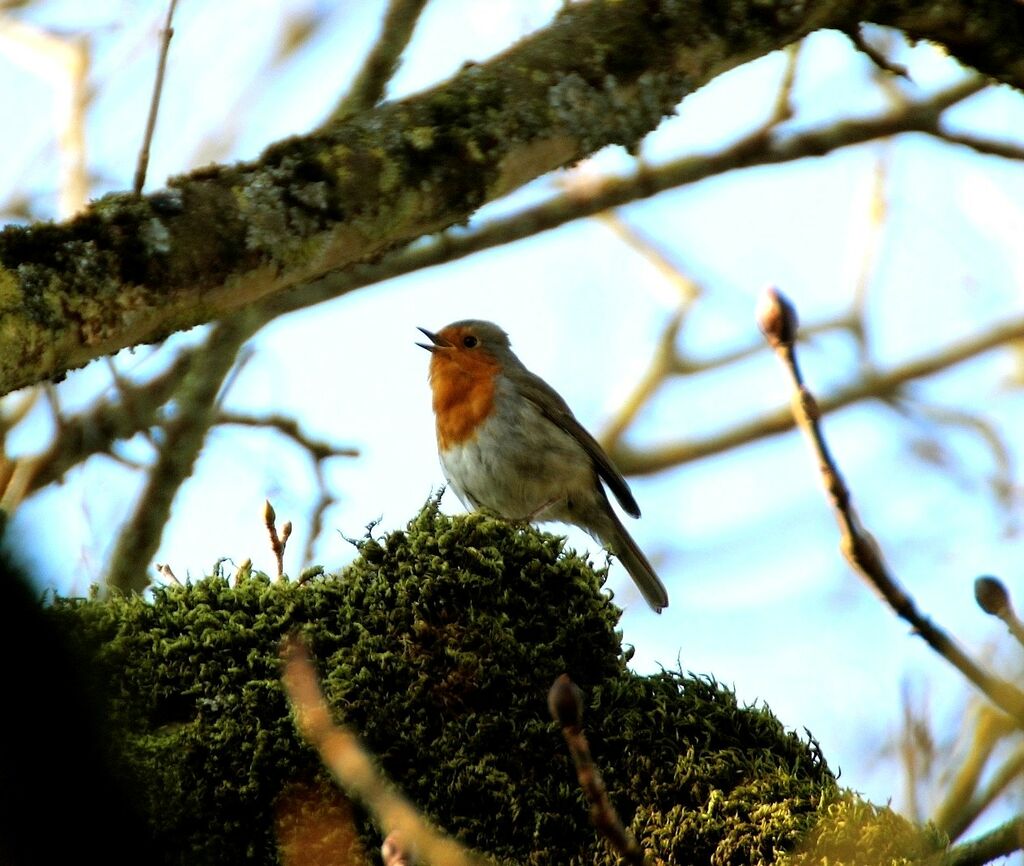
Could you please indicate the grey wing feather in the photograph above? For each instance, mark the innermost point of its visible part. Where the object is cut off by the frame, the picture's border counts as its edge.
(556, 410)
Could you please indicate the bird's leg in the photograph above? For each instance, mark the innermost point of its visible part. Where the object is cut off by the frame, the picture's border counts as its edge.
(532, 516)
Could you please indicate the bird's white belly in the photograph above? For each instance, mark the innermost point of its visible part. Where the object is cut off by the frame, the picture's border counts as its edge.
(521, 467)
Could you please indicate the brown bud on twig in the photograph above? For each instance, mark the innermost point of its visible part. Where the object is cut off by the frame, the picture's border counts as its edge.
(776, 317)
(991, 595)
(269, 515)
(565, 701)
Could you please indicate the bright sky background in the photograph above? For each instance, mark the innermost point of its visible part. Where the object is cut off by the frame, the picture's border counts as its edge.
(760, 597)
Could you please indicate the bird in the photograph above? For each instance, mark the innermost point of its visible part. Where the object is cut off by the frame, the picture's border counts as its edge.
(511, 446)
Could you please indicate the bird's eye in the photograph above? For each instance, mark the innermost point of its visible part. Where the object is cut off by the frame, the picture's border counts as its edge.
(470, 341)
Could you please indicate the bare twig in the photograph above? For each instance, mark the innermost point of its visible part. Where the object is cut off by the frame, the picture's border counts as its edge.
(566, 705)
(154, 106)
(777, 320)
(873, 386)
(915, 748)
(92, 432)
(988, 147)
(356, 771)
(783, 108)
(64, 61)
(686, 287)
(1008, 773)
(663, 362)
(987, 728)
(277, 542)
(993, 598)
(183, 439)
(380, 64)
(867, 245)
(126, 394)
(665, 358)
(875, 56)
(318, 449)
(1001, 481)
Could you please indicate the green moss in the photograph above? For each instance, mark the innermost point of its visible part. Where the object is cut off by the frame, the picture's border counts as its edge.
(852, 832)
(438, 646)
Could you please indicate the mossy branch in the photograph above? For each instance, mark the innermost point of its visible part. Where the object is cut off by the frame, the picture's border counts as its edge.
(132, 270)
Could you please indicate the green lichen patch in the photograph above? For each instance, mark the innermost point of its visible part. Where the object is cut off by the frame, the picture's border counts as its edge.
(437, 645)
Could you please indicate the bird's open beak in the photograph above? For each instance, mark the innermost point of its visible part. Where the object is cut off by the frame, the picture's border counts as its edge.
(438, 342)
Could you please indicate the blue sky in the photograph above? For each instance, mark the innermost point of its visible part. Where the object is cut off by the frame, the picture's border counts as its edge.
(760, 597)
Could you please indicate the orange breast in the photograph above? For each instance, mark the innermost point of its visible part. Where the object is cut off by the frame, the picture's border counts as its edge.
(463, 390)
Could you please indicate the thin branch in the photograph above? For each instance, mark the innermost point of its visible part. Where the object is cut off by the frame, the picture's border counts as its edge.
(356, 770)
(867, 246)
(318, 515)
(95, 431)
(64, 62)
(183, 439)
(278, 543)
(875, 56)
(107, 422)
(989, 728)
(318, 449)
(777, 319)
(874, 386)
(663, 362)
(1003, 840)
(382, 61)
(154, 106)
(685, 286)
(985, 146)
(1001, 479)
(783, 108)
(1008, 773)
(566, 705)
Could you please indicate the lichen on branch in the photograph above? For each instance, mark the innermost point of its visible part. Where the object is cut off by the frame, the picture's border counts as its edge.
(134, 269)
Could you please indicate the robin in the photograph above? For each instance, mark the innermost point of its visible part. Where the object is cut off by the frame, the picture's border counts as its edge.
(511, 446)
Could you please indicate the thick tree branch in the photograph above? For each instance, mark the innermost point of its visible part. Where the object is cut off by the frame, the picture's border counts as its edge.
(100, 428)
(134, 270)
(757, 148)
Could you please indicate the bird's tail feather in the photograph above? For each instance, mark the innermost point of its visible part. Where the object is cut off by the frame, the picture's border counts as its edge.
(622, 545)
